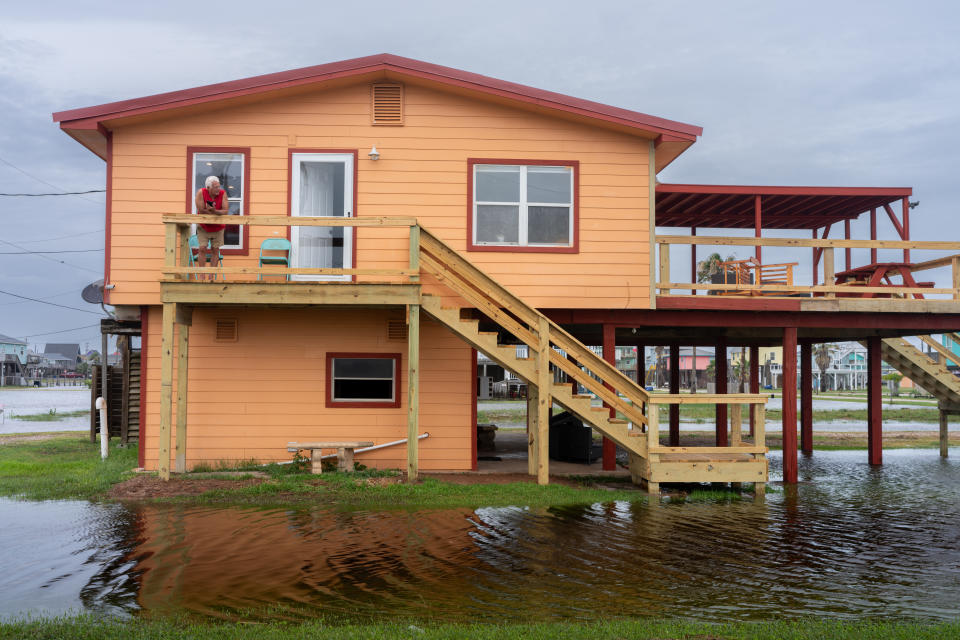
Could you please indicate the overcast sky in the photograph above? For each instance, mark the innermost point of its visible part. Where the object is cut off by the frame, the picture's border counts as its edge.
(813, 93)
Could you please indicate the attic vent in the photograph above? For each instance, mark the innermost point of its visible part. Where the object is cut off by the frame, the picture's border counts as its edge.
(387, 105)
(396, 330)
(226, 330)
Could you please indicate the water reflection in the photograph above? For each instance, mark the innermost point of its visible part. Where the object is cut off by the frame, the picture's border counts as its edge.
(855, 542)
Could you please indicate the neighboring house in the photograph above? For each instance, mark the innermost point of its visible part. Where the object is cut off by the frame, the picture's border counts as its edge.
(13, 360)
(491, 207)
(64, 356)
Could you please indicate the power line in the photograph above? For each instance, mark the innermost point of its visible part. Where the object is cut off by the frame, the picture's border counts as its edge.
(22, 253)
(56, 295)
(15, 167)
(52, 304)
(40, 195)
(50, 333)
(74, 235)
(40, 255)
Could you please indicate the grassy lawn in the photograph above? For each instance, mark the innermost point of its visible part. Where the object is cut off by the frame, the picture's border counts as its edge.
(63, 466)
(69, 466)
(90, 628)
(51, 416)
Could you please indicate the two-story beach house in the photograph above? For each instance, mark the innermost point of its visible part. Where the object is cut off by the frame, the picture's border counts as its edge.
(431, 213)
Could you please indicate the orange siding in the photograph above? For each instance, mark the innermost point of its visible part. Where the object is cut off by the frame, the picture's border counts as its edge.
(247, 399)
(422, 172)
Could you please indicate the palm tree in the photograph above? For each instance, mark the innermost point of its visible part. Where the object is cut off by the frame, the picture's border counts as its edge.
(822, 355)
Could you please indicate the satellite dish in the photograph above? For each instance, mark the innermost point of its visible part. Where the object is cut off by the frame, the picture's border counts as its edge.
(93, 292)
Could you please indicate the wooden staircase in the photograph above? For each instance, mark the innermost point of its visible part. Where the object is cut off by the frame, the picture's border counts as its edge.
(557, 349)
(919, 367)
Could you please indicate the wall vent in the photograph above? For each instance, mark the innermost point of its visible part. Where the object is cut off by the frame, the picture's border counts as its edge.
(387, 104)
(396, 330)
(226, 330)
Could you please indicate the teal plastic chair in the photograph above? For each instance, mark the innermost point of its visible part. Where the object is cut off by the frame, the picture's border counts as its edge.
(194, 244)
(281, 253)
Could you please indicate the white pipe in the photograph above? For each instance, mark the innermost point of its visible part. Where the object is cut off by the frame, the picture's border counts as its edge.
(104, 428)
(376, 446)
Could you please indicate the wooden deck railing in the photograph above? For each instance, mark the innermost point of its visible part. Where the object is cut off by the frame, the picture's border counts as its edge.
(755, 402)
(826, 249)
(177, 251)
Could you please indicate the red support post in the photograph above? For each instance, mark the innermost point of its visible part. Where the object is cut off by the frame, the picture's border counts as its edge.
(906, 227)
(720, 369)
(789, 399)
(610, 355)
(757, 225)
(693, 261)
(674, 388)
(806, 397)
(754, 379)
(873, 234)
(874, 402)
(848, 250)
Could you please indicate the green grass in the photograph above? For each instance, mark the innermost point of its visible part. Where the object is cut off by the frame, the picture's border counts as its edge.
(51, 415)
(61, 468)
(88, 627)
(382, 489)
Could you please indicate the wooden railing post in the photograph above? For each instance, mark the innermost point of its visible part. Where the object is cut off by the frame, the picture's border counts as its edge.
(956, 277)
(829, 274)
(653, 426)
(664, 266)
(170, 245)
(736, 424)
(759, 425)
(415, 252)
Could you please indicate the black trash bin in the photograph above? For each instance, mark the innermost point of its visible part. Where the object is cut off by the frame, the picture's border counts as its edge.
(571, 440)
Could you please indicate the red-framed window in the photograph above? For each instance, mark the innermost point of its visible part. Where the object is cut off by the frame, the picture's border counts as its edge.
(232, 166)
(523, 205)
(363, 380)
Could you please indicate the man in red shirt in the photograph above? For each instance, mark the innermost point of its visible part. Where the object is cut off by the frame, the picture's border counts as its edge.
(211, 200)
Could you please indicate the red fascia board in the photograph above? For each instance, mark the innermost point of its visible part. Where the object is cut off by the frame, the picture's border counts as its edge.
(383, 62)
(892, 192)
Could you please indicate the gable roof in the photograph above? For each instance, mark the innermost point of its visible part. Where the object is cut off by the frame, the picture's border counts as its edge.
(90, 125)
(8, 340)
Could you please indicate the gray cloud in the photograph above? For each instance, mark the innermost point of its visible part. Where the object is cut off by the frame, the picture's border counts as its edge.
(815, 93)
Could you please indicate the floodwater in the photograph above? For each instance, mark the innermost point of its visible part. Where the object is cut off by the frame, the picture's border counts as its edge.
(33, 401)
(849, 542)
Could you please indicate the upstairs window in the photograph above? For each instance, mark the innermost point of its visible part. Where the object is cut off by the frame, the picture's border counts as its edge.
(523, 207)
(231, 167)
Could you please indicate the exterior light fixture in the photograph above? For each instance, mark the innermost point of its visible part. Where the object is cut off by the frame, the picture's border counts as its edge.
(374, 154)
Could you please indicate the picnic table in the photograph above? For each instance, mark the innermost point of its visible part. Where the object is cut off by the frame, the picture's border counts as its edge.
(344, 452)
(878, 274)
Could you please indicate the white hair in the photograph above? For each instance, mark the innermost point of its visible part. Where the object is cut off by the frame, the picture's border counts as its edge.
(210, 180)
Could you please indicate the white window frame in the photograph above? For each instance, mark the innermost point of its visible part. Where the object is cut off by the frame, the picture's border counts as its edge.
(243, 190)
(524, 204)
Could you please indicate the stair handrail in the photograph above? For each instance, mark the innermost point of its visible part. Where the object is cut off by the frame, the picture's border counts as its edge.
(438, 254)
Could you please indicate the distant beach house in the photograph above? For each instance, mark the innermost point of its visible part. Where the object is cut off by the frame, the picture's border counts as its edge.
(13, 360)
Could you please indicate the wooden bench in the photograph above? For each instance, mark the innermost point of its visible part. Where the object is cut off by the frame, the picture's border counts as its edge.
(344, 453)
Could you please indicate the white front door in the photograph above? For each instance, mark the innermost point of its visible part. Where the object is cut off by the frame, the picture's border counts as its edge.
(321, 184)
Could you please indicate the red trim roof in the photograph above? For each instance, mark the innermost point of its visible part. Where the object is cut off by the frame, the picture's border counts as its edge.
(89, 117)
(733, 206)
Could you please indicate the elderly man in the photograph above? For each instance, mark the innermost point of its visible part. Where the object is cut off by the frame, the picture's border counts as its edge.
(211, 200)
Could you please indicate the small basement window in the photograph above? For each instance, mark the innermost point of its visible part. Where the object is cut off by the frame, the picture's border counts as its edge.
(363, 379)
